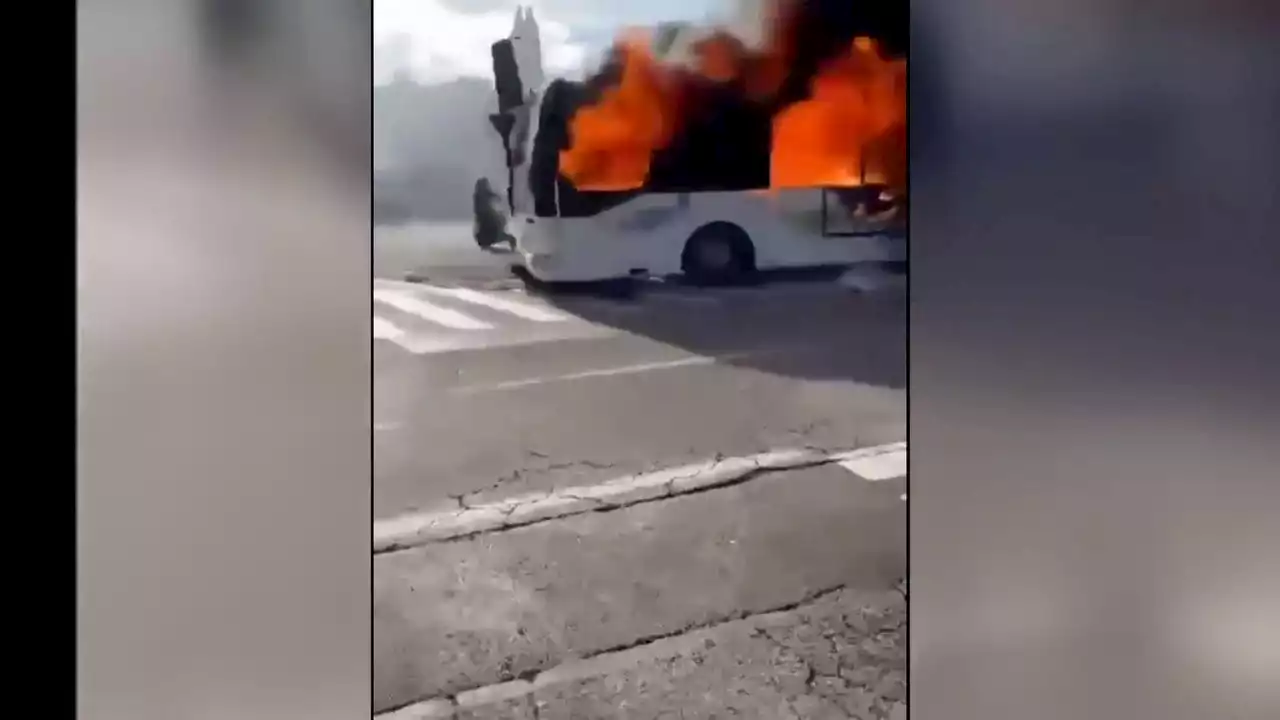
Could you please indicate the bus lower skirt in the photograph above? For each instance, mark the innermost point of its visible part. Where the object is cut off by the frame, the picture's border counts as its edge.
(617, 288)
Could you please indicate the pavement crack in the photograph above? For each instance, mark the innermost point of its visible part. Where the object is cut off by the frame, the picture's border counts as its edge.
(828, 685)
(463, 498)
(583, 498)
(605, 506)
(506, 515)
(526, 472)
(808, 599)
(531, 675)
(590, 464)
(671, 484)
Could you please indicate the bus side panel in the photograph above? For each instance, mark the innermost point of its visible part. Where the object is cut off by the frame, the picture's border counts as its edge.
(653, 229)
(584, 249)
(645, 234)
(648, 234)
(786, 228)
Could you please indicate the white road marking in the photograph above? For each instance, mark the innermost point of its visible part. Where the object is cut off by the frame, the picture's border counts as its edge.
(494, 302)
(434, 709)
(605, 372)
(427, 311)
(385, 329)
(397, 285)
(875, 464)
(451, 522)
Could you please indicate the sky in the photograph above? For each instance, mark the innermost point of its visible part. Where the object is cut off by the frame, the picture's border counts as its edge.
(442, 40)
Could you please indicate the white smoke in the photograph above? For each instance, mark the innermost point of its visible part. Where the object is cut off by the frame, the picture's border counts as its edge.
(444, 44)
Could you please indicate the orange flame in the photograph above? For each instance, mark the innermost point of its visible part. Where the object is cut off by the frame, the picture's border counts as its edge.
(851, 130)
(614, 138)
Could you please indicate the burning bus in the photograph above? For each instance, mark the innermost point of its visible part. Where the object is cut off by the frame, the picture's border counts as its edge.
(711, 153)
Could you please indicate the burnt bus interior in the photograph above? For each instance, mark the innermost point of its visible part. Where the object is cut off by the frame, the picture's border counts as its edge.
(725, 141)
(725, 150)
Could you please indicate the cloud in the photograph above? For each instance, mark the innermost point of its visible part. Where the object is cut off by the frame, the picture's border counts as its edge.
(438, 43)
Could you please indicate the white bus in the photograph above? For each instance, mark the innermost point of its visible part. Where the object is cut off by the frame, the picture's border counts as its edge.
(709, 237)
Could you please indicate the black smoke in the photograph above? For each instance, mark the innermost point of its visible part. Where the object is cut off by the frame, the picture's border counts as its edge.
(725, 139)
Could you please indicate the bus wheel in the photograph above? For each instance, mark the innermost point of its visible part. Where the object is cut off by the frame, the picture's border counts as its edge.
(719, 253)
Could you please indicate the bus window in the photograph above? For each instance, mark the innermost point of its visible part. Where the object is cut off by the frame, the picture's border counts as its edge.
(553, 194)
(863, 210)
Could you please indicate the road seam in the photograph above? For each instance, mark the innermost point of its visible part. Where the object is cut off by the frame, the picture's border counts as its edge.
(611, 660)
(454, 523)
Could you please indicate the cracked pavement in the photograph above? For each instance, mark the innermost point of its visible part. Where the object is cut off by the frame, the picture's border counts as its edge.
(453, 617)
(841, 656)
(472, 497)
(786, 578)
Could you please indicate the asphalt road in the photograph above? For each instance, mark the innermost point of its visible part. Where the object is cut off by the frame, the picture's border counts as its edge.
(482, 395)
(670, 378)
(444, 250)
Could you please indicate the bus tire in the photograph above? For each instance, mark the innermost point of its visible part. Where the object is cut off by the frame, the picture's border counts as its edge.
(718, 253)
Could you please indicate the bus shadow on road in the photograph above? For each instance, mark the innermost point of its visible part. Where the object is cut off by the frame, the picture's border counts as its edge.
(815, 330)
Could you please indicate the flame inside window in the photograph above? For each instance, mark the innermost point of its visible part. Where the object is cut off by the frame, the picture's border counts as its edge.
(847, 128)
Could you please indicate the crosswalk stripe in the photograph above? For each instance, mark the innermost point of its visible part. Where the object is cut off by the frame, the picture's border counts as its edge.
(385, 329)
(427, 311)
(521, 310)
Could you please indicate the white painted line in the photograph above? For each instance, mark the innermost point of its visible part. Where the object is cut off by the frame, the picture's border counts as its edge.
(691, 361)
(424, 710)
(385, 329)
(875, 464)
(427, 311)
(397, 285)
(494, 302)
(452, 522)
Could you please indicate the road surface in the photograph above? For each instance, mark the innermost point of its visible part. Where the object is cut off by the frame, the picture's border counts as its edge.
(588, 507)
(436, 250)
